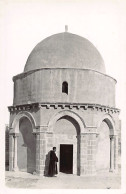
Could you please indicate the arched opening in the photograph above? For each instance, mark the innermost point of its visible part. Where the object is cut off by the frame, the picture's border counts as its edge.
(105, 150)
(22, 142)
(65, 87)
(26, 146)
(66, 139)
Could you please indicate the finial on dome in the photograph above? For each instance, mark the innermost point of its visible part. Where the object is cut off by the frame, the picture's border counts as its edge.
(66, 28)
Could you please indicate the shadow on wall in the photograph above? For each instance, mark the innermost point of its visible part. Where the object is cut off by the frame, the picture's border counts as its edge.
(26, 147)
(47, 164)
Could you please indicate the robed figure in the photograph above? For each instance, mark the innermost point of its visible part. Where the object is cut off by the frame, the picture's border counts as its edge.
(53, 163)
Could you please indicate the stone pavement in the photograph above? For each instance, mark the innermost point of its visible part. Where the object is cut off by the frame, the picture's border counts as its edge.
(62, 181)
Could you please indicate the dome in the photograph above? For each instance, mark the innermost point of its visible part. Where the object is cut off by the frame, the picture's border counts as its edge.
(65, 50)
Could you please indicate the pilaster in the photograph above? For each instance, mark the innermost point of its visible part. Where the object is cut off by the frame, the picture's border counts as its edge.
(111, 153)
(15, 136)
(41, 147)
(116, 153)
(11, 152)
(88, 153)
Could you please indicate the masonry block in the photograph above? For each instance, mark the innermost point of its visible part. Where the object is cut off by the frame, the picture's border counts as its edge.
(93, 142)
(49, 135)
(50, 145)
(42, 136)
(42, 141)
(90, 157)
(37, 155)
(50, 140)
(91, 136)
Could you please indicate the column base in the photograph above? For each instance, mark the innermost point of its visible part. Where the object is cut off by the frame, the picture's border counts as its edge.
(113, 170)
(93, 173)
(86, 175)
(40, 173)
(16, 169)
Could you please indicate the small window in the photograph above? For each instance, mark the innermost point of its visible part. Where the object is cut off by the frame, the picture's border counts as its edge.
(65, 87)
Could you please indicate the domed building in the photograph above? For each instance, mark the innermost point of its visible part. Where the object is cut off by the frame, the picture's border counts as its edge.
(64, 99)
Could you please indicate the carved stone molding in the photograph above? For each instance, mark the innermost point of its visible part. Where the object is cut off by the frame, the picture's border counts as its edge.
(14, 134)
(84, 106)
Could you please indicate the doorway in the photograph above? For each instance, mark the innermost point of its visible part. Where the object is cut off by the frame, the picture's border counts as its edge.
(66, 158)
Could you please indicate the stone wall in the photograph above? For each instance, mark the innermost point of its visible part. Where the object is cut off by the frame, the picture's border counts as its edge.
(45, 85)
(70, 125)
(88, 150)
(103, 149)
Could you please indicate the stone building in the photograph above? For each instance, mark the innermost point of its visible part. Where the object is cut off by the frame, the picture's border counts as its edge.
(65, 99)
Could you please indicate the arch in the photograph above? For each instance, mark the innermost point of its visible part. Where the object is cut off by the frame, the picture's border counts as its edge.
(110, 122)
(110, 146)
(23, 142)
(64, 142)
(18, 117)
(66, 113)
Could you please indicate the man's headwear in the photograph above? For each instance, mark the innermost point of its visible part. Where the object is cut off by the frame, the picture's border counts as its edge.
(54, 148)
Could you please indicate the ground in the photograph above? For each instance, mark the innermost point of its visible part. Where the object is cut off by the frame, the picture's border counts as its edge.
(62, 181)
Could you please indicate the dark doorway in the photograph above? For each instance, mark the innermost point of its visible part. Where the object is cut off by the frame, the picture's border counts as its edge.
(66, 158)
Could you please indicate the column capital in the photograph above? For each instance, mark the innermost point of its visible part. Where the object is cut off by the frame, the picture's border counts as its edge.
(10, 128)
(112, 136)
(40, 129)
(89, 133)
(97, 134)
(14, 134)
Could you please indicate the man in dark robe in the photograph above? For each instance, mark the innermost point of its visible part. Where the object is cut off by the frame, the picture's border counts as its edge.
(53, 163)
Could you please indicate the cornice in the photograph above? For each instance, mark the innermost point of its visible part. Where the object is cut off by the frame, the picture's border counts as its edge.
(84, 106)
(24, 74)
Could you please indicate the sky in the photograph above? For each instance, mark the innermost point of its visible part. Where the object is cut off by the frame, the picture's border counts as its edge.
(24, 23)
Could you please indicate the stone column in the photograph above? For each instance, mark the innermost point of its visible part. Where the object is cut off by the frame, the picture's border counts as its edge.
(116, 153)
(111, 153)
(15, 167)
(40, 150)
(83, 155)
(77, 169)
(11, 152)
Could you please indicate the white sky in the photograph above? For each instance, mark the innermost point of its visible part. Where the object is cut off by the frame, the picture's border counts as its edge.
(24, 23)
